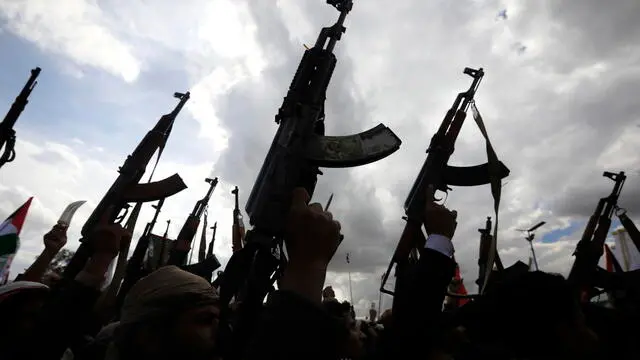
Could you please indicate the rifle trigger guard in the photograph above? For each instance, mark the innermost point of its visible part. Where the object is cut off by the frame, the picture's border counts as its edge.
(472, 175)
(352, 150)
(120, 218)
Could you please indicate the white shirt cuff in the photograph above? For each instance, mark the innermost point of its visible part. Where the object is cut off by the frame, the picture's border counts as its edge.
(440, 243)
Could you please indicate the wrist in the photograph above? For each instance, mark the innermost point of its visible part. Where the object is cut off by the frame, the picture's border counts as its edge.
(304, 280)
(99, 263)
(49, 252)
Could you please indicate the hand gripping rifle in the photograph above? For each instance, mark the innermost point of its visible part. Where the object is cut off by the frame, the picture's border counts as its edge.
(591, 245)
(7, 134)
(127, 188)
(437, 175)
(237, 240)
(180, 250)
(298, 149)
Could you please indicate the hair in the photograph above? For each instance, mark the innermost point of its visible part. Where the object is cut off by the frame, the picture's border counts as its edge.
(335, 308)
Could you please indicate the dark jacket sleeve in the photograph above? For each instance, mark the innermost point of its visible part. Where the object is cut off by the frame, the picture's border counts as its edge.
(64, 319)
(291, 327)
(416, 325)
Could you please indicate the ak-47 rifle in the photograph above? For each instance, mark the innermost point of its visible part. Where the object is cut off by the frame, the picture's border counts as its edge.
(591, 246)
(7, 133)
(135, 267)
(298, 149)
(237, 240)
(127, 188)
(213, 239)
(202, 250)
(483, 258)
(437, 175)
(205, 265)
(180, 250)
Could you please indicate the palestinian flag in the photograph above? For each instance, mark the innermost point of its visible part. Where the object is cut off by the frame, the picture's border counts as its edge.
(9, 241)
(462, 290)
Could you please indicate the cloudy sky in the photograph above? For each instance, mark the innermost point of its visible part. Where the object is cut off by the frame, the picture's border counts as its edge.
(559, 101)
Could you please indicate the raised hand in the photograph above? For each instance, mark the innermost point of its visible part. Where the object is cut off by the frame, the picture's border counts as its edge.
(56, 238)
(438, 219)
(107, 236)
(312, 234)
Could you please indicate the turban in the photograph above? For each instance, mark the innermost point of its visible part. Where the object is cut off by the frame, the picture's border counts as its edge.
(16, 287)
(167, 290)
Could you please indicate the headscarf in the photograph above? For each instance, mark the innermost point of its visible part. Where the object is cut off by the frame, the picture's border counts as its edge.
(167, 290)
(6, 291)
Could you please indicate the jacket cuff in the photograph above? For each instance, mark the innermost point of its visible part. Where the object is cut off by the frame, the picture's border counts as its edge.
(441, 244)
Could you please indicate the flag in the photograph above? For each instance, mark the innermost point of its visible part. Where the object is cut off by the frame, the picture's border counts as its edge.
(611, 263)
(462, 290)
(9, 238)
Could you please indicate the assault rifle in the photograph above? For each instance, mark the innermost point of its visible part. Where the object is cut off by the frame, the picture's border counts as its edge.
(7, 133)
(205, 265)
(591, 246)
(437, 175)
(483, 258)
(180, 250)
(135, 267)
(237, 241)
(127, 188)
(213, 240)
(202, 250)
(298, 149)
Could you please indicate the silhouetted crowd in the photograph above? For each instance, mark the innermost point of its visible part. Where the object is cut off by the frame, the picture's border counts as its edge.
(174, 314)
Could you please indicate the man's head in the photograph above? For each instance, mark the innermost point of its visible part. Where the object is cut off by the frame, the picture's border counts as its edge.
(169, 313)
(20, 304)
(328, 293)
(535, 308)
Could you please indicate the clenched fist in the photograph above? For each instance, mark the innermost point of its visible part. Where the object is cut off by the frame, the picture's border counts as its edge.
(107, 237)
(439, 220)
(56, 238)
(312, 234)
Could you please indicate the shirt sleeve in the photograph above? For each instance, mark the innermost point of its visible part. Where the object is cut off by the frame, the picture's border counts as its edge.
(440, 243)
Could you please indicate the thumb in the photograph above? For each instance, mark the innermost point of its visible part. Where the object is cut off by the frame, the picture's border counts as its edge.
(299, 198)
(105, 219)
(429, 198)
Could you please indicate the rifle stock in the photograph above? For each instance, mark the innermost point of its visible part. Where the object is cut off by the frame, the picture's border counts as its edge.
(7, 133)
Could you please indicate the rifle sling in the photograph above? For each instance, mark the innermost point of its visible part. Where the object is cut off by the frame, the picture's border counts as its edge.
(496, 188)
(631, 229)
